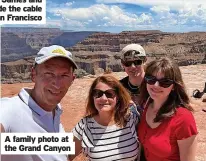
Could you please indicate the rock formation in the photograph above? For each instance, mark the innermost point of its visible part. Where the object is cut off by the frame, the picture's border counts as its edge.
(185, 48)
(18, 43)
(100, 51)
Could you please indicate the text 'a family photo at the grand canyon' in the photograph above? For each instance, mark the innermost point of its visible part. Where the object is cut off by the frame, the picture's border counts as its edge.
(131, 96)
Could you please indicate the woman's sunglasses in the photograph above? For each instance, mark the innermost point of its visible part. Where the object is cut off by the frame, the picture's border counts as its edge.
(164, 82)
(110, 93)
(135, 62)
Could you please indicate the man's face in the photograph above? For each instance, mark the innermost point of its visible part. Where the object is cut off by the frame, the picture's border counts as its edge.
(52, 80)
(134, 67)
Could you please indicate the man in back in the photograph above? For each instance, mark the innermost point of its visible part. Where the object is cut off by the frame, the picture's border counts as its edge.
(133, 59)
(38, 110)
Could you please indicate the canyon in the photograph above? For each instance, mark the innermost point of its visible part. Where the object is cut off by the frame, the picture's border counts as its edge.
(94, 52)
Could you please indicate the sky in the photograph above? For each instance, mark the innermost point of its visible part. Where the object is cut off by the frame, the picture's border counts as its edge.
(126, 15)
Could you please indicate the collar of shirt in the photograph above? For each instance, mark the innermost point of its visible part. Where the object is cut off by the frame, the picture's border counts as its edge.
(27, 99)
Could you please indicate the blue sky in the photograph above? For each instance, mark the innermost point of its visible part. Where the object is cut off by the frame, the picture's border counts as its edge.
(127, 15)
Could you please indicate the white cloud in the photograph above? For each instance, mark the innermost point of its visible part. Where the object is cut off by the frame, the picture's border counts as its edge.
(51, 23)
(187, 15)
(106, 18)
(100, 14)
(186, 11)
(145, 18)
(197, 13)
(69, 3)
(158, 14)
(160, 9)
(174, 4)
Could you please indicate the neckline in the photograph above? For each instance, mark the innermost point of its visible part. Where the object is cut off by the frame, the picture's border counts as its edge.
(147, 122)
(25, 96)
(132, 86)
(105, 127)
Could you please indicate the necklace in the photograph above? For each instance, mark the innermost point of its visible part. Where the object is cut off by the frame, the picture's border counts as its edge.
(130, 86)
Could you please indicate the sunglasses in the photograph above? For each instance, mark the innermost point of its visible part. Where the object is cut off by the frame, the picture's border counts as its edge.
(164, 82)
(135, 62)
(110, 93)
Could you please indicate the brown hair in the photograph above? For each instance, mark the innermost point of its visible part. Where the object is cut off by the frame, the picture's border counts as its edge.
(177, 97)
(123, 97)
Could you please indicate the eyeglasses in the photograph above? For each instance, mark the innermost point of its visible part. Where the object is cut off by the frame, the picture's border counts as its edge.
(135, 62)
(164, 82)
(110, 93)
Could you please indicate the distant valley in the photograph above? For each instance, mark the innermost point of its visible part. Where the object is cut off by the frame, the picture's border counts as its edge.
(94, 52)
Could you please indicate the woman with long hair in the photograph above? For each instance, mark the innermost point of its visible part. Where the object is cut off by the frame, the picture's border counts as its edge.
(108, 130)
(167, 129)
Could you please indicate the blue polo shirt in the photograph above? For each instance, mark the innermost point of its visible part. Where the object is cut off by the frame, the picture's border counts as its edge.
(22, 114)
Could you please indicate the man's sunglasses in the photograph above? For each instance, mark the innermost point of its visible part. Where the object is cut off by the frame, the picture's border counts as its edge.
(135, 62)
(164, 82)
(110, 93)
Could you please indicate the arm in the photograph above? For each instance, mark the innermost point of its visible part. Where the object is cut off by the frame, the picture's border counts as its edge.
(78, 149)
(185, 130)
(2, 128)
(187, 148)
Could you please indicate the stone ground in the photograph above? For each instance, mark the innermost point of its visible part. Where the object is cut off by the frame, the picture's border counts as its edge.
(74, 102)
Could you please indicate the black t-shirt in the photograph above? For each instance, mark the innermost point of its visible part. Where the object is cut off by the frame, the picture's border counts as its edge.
(133, 91)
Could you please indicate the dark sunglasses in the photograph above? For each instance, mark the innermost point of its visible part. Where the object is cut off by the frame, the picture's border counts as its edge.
(164, 82)
(135, 62)
(110, 93)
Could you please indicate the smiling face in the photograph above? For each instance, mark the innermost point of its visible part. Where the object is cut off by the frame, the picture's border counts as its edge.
(134, 66)
(157, 92)
(102, 103)
(52, 80)
(133, 70)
